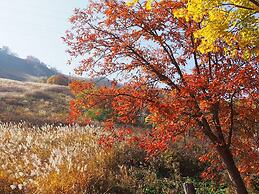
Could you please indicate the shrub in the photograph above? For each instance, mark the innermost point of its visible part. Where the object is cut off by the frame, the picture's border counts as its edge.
(159, 174)
(209, 187)
(58, 80)
(97, 114)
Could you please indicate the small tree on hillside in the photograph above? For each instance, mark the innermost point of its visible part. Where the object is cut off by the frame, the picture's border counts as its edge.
(58, 80)
(211, 94)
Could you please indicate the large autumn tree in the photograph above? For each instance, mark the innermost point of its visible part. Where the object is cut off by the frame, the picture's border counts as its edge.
(168, 81)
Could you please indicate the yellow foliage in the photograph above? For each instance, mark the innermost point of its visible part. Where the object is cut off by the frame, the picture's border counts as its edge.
(234, 22)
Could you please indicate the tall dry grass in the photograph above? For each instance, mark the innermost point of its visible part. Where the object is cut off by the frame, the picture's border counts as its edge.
(48, 159)
(68, 159)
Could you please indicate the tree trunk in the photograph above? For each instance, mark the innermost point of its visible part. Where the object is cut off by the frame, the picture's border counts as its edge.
(234, 174)
(188, 188)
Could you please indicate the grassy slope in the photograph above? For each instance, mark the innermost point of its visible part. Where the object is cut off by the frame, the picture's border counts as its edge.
(36, 103)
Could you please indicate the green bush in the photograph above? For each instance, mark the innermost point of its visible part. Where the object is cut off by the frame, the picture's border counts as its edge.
(129, 171)
(159, 174)
(97, 114)
(207, 187)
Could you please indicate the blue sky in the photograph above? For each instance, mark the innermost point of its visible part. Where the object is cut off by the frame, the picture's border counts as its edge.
(35, 27)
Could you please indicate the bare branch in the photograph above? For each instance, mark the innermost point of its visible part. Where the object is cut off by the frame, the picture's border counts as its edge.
(239, 6)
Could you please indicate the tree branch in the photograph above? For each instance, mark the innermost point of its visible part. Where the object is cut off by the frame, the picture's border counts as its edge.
(195, 55)
(215, 113)
(239, 6)
(231, 120)
(255, 2)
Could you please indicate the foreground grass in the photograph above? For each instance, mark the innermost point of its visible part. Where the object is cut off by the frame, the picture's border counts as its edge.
(48, 159)
(68, 160)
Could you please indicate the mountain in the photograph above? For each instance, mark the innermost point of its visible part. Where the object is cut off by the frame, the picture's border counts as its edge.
(29, 69)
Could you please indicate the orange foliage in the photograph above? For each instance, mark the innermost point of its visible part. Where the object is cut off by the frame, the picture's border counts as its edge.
(153, 52)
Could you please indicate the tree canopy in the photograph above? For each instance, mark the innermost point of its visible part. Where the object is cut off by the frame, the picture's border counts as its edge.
(233, 22)
(182, 90)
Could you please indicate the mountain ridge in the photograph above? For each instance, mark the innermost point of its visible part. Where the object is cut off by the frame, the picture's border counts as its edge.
(29, 69)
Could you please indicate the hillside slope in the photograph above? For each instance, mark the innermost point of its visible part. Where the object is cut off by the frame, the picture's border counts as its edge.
(36, 103)
(12, 67)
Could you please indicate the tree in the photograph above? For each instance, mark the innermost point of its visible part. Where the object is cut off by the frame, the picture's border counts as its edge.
(213, 94)
(58, 79)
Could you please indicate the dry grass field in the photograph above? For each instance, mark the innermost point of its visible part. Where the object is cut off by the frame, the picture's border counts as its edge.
(47, 159)
(37, 103)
